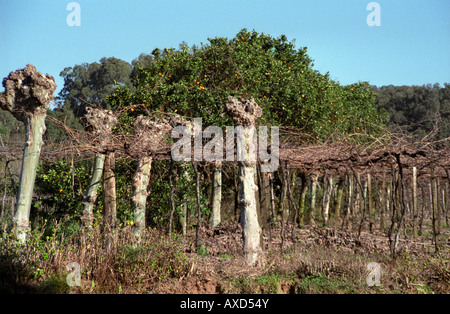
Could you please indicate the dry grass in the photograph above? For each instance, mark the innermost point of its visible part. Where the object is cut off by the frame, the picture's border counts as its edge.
(321, 262)
(128, 267)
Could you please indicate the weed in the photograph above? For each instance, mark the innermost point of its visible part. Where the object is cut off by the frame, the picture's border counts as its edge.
(202, 251)
(321, 284)
(56, 284)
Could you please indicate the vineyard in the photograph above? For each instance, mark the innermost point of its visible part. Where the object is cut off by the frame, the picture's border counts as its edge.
(107, 195)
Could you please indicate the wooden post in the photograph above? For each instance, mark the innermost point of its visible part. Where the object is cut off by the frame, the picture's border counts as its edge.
(435, 209)
(414, 201)
(312, 201)
(339, 196)
(109, 200)
(217, 194)
(327, 193)
(350, 200)
(370, 208)
(383, 201)
(301, 210)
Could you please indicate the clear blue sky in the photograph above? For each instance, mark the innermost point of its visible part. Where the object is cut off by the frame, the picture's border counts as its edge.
(411, 47)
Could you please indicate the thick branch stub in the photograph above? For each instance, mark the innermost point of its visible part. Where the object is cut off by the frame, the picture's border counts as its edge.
(150, 135)
(27, 92)
(100, 121)
(244, 112)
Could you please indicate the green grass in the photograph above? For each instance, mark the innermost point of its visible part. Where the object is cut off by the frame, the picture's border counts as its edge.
(320, 284)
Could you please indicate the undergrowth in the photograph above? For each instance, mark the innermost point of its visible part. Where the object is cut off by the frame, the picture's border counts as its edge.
(129, 266)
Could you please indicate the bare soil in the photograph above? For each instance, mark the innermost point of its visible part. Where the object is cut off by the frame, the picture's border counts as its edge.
(312, 260)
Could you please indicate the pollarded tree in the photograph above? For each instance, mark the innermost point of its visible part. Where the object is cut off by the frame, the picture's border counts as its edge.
(149, 136)
(27, 96)
(245, 113)
(100, 123)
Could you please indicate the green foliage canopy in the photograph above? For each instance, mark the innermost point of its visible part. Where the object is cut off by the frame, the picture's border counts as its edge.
(417, 110)
(92, 83)
(196, 83)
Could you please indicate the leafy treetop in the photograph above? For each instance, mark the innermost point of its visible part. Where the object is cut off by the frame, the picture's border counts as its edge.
(197, 82)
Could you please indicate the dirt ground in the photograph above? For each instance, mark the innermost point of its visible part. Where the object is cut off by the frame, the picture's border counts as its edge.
(311, 260)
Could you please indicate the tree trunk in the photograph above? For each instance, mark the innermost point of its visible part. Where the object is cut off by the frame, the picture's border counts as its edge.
(90, 196)
(370, 208)
(244, 114)
(264, 198)
(109, 200)
(249, 217)
(172, 200)
(350, 200)
(357, 199)
(27, 96)
(301, 209)
(446, 205)
(399, 205)
(237, 215)
(393, 214)
(2, 215)
(270, 218)
(184, 206)
(438, 207)
(327, 194)
(34, 128)
(389, 198)
(284, 178)
(422, 208)
(312, 201)
(414, 202)
(294, 210)
(435, 210)
(199, 211)
(340, 194)
(140, 184)
(362, 189)
(216, 194)
(383, 201)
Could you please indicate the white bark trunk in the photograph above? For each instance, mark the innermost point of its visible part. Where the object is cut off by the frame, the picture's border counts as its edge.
(249, 212)
(91, 194)
(313, 191)
(327, 199)
(35, 128)
(140, 185)
(217, 194)
(244, 114)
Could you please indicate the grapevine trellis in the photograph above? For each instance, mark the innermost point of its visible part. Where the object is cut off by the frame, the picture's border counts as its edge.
(388, 159)
(335, 159)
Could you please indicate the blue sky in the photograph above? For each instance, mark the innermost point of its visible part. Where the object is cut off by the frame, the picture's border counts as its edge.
(411, 47)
